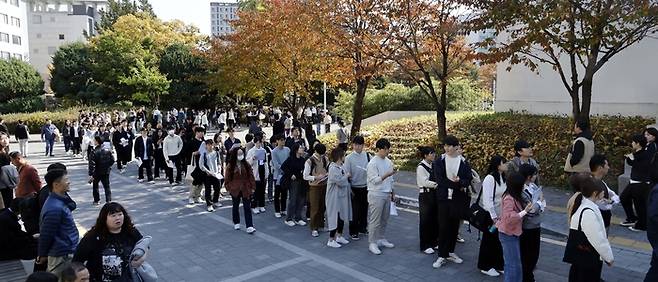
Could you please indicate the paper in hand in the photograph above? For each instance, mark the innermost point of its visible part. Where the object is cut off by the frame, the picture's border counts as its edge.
(170, 164)
(394, 210)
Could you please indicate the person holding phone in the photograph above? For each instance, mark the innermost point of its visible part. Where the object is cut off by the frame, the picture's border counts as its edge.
(380, 193)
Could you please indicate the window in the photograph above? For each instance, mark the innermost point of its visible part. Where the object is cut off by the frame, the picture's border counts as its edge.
(61, 37)
(14, 2)
(36, 19)
(16, 39)
(18, 56)
(4, 37)
(51, 50)
(16, 21)
(4, 18)
(5, 55)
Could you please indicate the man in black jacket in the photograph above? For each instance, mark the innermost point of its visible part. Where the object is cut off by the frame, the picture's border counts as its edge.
(122, 139)
(22, 136)
(634, 197)
(100, 164)
(144, 152)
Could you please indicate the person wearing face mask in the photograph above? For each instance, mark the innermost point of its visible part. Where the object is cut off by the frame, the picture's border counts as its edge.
(209, 163)
(257, 159)
(292, 179)
(144, 152)
(315, 172)
(172, 145)
(241, 184)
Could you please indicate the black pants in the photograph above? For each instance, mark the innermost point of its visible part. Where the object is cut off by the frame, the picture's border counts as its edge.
(67, 143)
(429, 221)
(105, 180)
(359, 223)
(159, 162)
(607, 216)
(448, 228)
(280, 197)
(634, 201)
(652, 274)
(259, 195)
(247, 210)
(76, 145)
(7, 196)
(339, 227)
(146, 164)
(491, 252)
(297, 199)
(179, 169)
(585, 274)
(211, 183)
(529, 243)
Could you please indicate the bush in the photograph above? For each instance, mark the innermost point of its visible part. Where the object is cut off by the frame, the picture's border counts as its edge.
(23, 105)
(484, 135)
(37, 119)
(18, 79)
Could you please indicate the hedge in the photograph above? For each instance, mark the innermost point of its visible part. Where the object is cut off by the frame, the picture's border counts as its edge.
(484, 135)
(35, 120)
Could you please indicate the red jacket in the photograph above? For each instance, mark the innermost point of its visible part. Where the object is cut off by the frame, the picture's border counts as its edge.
(240, 181)
(28, 181)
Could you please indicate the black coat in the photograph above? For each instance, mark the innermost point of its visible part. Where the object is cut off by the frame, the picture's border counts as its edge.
(81, 132)
(139, 148)
(445, 184)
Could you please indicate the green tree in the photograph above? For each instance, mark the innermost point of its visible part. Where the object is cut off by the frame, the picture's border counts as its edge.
(18, 79)
(71, 71)
(147, 83)
(185, 68)
(117, 8)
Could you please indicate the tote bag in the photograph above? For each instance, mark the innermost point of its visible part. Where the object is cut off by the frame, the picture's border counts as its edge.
(579, 251)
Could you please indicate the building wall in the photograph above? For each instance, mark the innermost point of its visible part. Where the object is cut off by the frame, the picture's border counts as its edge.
(13, 28)
(220, 16)
(626, 85)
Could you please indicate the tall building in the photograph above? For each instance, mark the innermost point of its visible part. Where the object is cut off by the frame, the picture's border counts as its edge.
(221, 13)
(13, 30)
(52, 24)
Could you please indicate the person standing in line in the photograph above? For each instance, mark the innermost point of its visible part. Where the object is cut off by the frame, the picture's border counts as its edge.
(490, 258)
(634, 197)
(278, 128)
(58, 237)
(159, 159)
(196, 147)
(29, 182)
(122, 140)
(22, 133)
(144, 151)
(582, 149)
(75, 134)
(651, 134)
(66, 136)
(380, 194)
(172, 145)
(522, 155)
(279, 155)
(599, 167)
(241, 184)
(428, 229)
(587, 221)
(48, 136)
(231, 140)
(453, 176)
(292, 179)
(210, 165)
(530, 239)
(231, 119)
(296, 137)
(355, 165)
(342, 136)
(100, 165)
(327, 122)
(337, 200)
(315, 172)
(287, 124)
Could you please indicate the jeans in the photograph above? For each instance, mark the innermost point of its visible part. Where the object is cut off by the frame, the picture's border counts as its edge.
(75, 146)
(280, 197)
(247, 210)
(105, 180)
(512, 257)
(270, 187)
(67, 143)
(359, 223)
(379, 210)
(50, 144)
(211, 182)
(146, 164)
(297, 198)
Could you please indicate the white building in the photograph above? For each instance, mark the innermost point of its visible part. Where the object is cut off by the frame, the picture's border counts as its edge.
(626, 85)
(13, 30)
(221, 13)
(52, 24)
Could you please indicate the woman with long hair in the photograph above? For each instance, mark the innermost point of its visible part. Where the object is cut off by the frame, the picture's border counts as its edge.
(240, 183)
(106, 248)
(509, 226)
(293, 179)
(490, 259)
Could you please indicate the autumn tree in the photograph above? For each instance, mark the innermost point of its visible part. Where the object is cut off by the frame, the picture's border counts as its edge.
(431, 47)
(575, 37)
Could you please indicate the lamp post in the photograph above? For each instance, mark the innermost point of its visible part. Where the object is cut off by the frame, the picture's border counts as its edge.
(324, 104)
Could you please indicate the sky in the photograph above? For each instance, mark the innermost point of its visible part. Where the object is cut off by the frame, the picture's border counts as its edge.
(194, 12)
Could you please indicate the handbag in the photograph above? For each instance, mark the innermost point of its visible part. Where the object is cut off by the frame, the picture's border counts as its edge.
(579, 251)
(479, 217)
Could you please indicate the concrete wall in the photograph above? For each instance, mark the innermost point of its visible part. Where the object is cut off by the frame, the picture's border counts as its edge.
(17, 12)
(626, 85)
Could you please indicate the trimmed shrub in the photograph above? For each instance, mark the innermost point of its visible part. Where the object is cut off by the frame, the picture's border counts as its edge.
(23, 105)
(35, 120)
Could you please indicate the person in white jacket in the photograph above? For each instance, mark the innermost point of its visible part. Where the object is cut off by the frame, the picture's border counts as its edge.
(171, 148)
(258, 159)
(588, 220)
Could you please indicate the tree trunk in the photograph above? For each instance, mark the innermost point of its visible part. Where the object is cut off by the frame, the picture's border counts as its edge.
(357, 109)
(441, 111)
(575, 103)
(586, 97)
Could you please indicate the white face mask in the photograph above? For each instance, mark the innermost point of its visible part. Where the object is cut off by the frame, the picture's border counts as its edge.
(171, 132)
(240, 157)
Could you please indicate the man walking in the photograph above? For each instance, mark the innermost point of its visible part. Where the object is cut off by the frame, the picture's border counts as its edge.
(22, 136)
(58, 237)
(48, 135)
(355, 165)
(100, 164)
(144, 152)
(380, 193)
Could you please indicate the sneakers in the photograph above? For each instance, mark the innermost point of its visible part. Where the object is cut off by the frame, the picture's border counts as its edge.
(372, 247)
(236, 226)
(439, 262)
(217, 204)
(301, 222)
(262, 209)
(315, 233)
(454, 258)
(333, 244)
(355, 237)
(628, 223)
(191, 201)
(96, 203)
(289, 223)
(277, 215)
(385, 243)
(210, 208)
(632, 228)
(429, 251)
(251, 230)
(491, 272)
(255, 211)
(460, 239)
(283, 213)
(140, 180)
(342, 240)
(151, 182)
(199, 200)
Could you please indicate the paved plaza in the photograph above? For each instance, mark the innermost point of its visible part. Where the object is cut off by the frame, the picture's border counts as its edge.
(191, 244)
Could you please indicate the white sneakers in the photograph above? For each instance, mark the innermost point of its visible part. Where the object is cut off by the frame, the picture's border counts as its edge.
(342, 240)
(262, 209)
(151, 182)
(190, 201)
(236, 227)
(289, 223)
(251, 230)
(140, 180)
(315, 233)
(277, 215)
(333, 244)
(491, 272)
(429, 251)
(255, 211)
(439, 262)
(454, 258)
(460, 239)
(372, 247)
(210, 208)
(301, 222)
(385, 243)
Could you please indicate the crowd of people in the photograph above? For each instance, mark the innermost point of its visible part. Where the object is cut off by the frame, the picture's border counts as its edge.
(329, 190)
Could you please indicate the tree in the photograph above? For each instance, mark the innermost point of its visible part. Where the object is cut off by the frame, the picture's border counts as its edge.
(431, 45)
(185, 68)
(575, 37)
(71, 71)
(147, 82)
(18, 79)
(117, 8)
(251, 5)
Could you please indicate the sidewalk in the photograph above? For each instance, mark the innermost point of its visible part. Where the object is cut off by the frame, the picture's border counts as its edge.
(554, 219)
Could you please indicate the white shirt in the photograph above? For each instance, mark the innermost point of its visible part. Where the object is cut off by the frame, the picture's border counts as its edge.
(377, 167)
(145, 149)
(171, 146)
(327, 118)
(491, 202)
(593, 227)
(231, 115)
(423, 177)
(222, 118)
